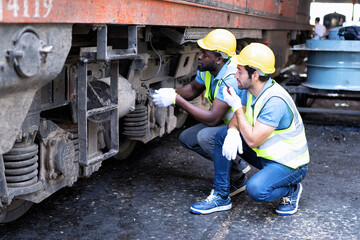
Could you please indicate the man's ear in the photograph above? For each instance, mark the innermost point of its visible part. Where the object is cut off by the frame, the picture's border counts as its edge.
(219, 60)
(255, 75)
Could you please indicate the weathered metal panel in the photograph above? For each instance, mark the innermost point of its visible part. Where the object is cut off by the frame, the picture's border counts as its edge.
(17, 91)
(258, 14)
(3, 188)
(13, 112)
(56, 37)
(196, 33)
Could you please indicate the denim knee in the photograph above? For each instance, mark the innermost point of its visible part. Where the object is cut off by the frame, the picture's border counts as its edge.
(203, 138)
(182, 139)
(256, 191)
(185, 141)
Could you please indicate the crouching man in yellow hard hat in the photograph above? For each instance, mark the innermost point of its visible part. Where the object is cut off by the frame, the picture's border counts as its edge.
(267, 131)
(214, 69)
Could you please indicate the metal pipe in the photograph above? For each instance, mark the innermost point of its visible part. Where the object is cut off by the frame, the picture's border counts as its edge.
(329, 111)
(352, 17)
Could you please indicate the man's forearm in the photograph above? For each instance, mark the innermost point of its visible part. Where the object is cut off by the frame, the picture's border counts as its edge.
(243, 125)
(188, 92)
(253, 135)
(233, 123)
(210, 117)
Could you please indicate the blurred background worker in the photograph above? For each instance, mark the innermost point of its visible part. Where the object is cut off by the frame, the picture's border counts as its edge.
(214, 69)
(267, 131)
(319, 29)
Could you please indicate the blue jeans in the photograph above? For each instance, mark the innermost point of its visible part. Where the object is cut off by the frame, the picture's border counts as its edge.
(271, 183)
(200, 139)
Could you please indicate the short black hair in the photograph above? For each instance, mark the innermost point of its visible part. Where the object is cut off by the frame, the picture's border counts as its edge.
(217, 54)
(317, 19)
(250, 72)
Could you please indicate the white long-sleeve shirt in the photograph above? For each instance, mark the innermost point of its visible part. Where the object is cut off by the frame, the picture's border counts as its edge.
(320, 30)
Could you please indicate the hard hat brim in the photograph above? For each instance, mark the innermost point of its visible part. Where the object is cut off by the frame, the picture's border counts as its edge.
(201, 44)
(235, 60)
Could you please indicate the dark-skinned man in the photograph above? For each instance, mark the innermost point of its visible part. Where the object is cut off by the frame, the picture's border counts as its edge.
(214, 69)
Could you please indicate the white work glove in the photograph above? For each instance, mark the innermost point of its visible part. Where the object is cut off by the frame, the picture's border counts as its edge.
(232, 144)
(232, 100)
(164, 97)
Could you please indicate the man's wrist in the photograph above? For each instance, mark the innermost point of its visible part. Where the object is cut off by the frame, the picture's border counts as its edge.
(234, 110)
(235, 107)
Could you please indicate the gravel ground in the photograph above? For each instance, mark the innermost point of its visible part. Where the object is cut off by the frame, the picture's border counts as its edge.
(149, 195)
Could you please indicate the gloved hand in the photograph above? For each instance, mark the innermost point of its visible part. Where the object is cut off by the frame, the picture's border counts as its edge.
(232, 144)
(164, 97)
(232, 100)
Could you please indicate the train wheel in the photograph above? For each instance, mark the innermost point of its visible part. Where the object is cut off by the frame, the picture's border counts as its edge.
(16, 209)
(126, 146)
(181, 117)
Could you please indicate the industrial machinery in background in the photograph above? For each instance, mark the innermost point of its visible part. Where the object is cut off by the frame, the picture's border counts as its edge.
(333, 20)
(75, 78)
(332, 71)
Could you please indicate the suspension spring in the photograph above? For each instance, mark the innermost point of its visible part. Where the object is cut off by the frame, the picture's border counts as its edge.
(21, 165)
(136, 122)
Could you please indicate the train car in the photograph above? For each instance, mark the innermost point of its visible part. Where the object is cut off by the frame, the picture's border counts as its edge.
(75, 78)
(333, 20)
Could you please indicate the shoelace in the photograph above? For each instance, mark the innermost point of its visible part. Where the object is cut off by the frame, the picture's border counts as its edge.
(211, 196)
(285, 201)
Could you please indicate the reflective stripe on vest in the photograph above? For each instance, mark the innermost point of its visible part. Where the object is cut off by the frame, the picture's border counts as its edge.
(286, 146)
(206, 77)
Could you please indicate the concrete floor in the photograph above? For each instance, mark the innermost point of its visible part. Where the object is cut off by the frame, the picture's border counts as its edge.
(148, 197)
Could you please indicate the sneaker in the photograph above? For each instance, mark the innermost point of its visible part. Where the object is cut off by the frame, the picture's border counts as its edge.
(213, 203)
(238, 187)
(245, 167)
(289, 204)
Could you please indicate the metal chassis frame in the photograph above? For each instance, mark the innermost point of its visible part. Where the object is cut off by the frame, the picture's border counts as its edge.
(111, 54)
(84, 114)
(103, 54)
(326, 94)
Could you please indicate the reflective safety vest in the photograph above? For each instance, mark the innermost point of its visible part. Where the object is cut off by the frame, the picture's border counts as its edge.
(206, 77)
(286, 146)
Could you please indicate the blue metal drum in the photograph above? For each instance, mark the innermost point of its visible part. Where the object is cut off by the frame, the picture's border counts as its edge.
(333, 34)
(332, 64)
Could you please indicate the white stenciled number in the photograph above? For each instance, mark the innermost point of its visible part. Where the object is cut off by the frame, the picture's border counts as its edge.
(13, 6)
(1, 11)
(37, 8)
(48, 6)
(26, 8)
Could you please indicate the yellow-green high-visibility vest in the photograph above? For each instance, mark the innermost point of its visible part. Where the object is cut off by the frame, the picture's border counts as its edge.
(286, 146)
(206, 77)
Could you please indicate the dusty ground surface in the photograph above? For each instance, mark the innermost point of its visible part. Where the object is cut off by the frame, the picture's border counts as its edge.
(149, 195)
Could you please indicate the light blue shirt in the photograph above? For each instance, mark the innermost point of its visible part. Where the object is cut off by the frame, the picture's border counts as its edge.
(275, 112)
(230, 81)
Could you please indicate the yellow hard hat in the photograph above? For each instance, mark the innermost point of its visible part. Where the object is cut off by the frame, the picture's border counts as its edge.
(256, 55)
(219, 40)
